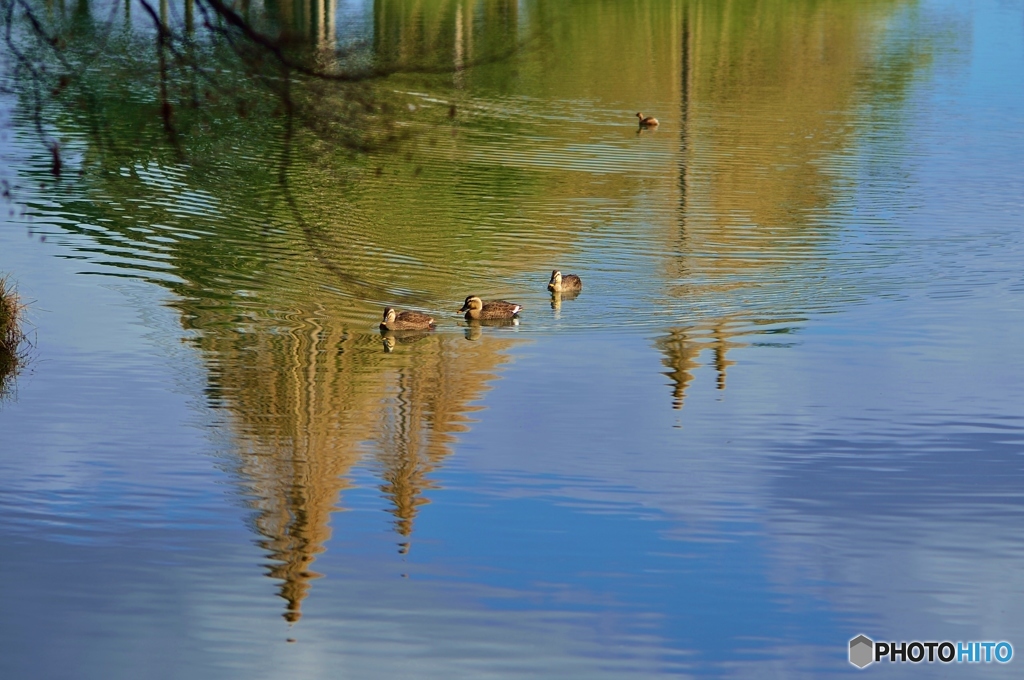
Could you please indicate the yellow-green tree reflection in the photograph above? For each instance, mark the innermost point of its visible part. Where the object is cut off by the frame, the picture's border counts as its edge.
(280, 283)
(769, 98)
(309, 402)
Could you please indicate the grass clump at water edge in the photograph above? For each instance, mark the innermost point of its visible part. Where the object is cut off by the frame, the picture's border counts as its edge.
(12, 335)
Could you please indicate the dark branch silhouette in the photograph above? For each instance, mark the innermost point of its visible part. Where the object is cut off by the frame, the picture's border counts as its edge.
(230, 62)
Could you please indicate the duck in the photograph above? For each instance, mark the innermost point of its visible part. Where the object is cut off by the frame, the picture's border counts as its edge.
(564, 284)
(477, 309)
(649, 121)
(406, 321)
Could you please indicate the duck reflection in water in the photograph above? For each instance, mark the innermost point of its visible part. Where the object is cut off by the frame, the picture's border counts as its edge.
(393, 338)
(557, 298)
(474, 329)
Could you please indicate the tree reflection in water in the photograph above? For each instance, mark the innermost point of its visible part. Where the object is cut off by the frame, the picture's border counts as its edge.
(284, 209)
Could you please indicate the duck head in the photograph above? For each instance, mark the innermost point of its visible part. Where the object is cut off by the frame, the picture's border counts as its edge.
(472, 302)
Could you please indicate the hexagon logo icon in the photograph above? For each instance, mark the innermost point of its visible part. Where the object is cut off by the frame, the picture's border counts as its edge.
(862, 651)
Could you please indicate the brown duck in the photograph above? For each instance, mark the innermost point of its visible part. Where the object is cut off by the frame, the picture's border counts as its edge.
(477, 309)
(647, 121)
(564, 284)
(405, 321)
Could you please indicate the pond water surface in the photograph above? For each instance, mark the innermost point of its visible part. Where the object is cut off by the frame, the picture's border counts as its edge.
(786, 409)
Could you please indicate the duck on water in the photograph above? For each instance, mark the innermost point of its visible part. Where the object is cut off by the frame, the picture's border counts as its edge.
(405, 321)
(476, 309)
(647, 121)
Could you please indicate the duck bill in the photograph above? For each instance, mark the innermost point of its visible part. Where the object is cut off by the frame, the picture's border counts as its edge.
(465, 308)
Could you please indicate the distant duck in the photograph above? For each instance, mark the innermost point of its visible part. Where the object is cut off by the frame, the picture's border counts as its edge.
(649, 121)
(564, 284)
(477, 309)
(405, 321)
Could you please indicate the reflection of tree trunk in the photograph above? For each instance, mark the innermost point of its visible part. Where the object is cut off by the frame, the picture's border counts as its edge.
(684, 125)
(417, 32)
(331, 27)
(81, 18)
(469, 32)
(457, 60)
